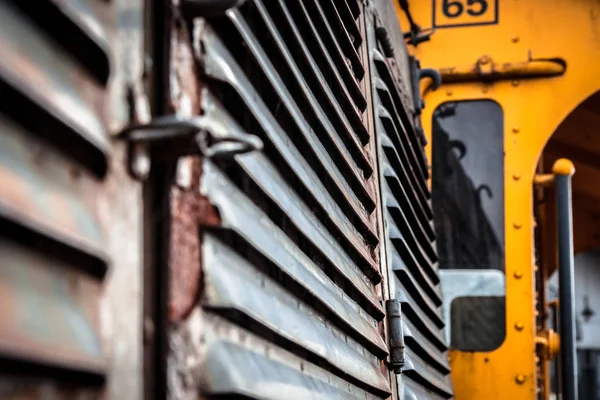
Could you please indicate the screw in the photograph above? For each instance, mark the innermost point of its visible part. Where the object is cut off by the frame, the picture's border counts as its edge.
(519, 326)
(518, 274)
(520, 379)
(517, 225)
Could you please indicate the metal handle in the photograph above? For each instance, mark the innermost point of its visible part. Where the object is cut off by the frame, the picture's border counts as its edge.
(563, 170)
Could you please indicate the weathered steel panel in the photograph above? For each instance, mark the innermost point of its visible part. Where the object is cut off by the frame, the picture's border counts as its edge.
(48, 76)
(240, 215)
(50, 195)
(49, 314)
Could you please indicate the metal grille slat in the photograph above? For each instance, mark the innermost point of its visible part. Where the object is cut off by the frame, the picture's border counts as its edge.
(421, 372)
(353, 205)
(244, 218)
(409, 198)
(314, 12)
(52, 80)
(397, 162)
(423, 280)
(346, 30)
(387, 78)
(393, 132)
(43, 197)
(414, 231)
(233, 284)
(329, 68)
(401, 228)
(220, 65)
(344, 53)
(350, 20)
(54, 157)
(334, 104)
(264, 173)
(240, 363)
(325, 127)
(424, 348)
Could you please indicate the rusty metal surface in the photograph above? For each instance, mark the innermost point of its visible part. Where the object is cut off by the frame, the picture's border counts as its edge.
(43, 72)
(240, 215)
(232, 283)
(47, 193)
(49, 313)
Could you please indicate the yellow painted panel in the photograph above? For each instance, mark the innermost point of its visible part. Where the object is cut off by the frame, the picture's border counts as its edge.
(533, 109)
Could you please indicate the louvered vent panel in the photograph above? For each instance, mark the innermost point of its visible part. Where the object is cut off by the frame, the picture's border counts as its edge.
(54, 153)
(410, 238)
(290, 274)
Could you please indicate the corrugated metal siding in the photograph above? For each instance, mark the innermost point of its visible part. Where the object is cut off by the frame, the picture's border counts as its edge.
(290, 304)
(409, 235)
(58, 197)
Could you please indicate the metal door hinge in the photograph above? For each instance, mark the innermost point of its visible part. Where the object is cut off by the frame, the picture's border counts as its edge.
(396, 335)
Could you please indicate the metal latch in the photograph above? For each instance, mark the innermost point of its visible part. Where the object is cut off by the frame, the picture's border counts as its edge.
(393, 311)
(178, 136)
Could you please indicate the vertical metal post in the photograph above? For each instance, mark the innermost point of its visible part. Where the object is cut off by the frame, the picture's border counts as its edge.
(563, 169)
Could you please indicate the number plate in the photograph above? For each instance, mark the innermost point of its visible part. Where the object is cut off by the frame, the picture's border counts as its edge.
(457, 13)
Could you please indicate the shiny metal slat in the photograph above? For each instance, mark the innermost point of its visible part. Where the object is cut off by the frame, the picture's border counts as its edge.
(287, 100)
(241, 216)
(408, 198)
(265, 175)
(91, 16)
(219, 64)
(233, 284)
(417, 318)
(421, 372)
(414, 232)
(330, 48)
(354, 7)
(412, 244)
(393, 132)
(401, 247)
(399, 165)
(345, 27)
(338, 39)
(48, 313)
(433, 291)
(354, 176)
(350, 22)
(325, 91)
(238, 363)
(40, 70)
(414, 391)
(40, 192)
(384, 73)
(426, 350)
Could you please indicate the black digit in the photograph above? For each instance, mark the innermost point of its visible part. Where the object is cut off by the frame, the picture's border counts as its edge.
(483, 6)
(452, 9)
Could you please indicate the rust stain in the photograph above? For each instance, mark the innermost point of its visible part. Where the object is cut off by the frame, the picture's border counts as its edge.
(190, 212)
(189, 209)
